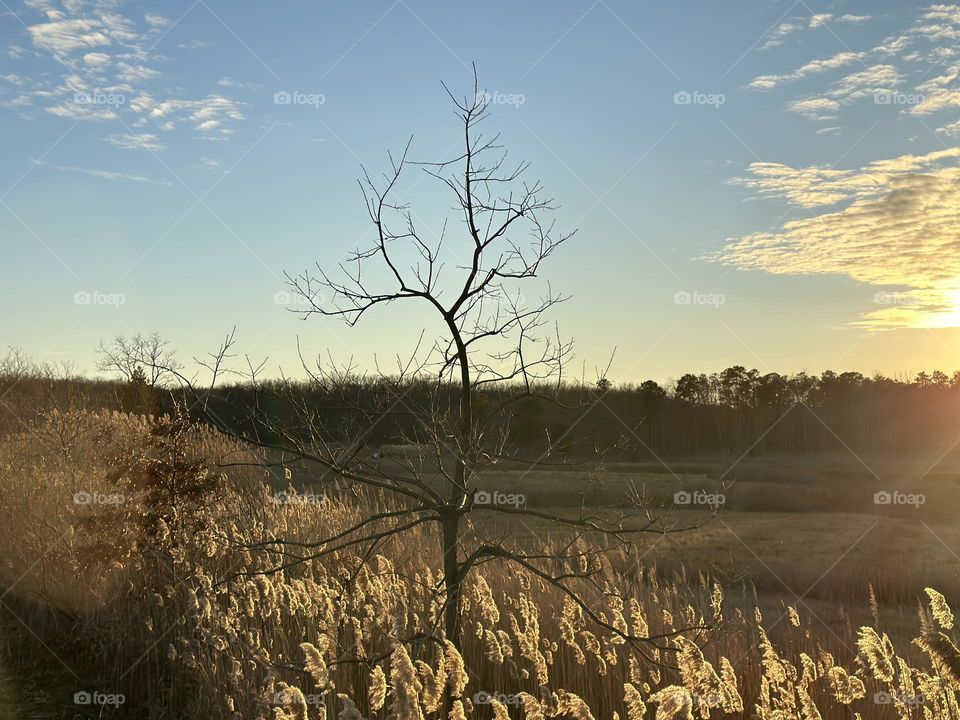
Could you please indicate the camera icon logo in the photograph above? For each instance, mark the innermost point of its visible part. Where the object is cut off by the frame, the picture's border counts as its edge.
(882, 498)
(682, 497)
(82, 698)
(282, 98)
(682, 98)
(482, 497)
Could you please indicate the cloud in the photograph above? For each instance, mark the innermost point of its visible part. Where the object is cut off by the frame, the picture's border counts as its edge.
(815, 67)
(940, 22)
(212, 165)
(775, 36)
(157, 21)
(20, 101)
(815, 185)
(136, 141)
(135, 73)
(951, 129)
(207, 115)
(74, 111)
(230, 82)
(878, 79)
(941, 99)
(814, 108)
(14, 79)
(65, 36)
(867, 83)
(114, 175)
(96, 59)
(891, 223)
(930, 42)
(93, 50)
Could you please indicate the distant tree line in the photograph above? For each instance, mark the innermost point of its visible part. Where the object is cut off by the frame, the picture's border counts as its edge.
(739, 410)
(734, 411)
(731, 412)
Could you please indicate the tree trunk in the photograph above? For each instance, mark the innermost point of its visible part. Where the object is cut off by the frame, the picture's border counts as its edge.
(451, 576)
(458, 501)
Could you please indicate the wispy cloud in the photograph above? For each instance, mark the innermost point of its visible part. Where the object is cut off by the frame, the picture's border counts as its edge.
(887, 67)
(820, 20)
(157, 21)
(114, 175)
(775, 37)
(876, 79)
(854, 18)
(815, 67)
(891, 223)
(232, 83)
(210, 115)
(101, 66)
(136, 141)
(815, 108)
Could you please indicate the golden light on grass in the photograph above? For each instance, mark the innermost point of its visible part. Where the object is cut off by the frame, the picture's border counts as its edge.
(268, 645)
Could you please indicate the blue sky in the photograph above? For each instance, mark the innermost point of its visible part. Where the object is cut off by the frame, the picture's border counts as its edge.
(771, 184)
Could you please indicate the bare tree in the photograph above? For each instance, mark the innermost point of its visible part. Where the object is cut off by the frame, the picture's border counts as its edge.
(144, 358)
(498, 350)
(457, 393)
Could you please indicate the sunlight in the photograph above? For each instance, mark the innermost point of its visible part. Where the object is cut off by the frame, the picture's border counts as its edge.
(950, 317)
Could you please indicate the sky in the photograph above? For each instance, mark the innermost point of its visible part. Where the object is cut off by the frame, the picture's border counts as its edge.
(770, 184)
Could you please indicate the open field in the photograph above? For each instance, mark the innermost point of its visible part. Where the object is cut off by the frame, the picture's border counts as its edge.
(809, 527)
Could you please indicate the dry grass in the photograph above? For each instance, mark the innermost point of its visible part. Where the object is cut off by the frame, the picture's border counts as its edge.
(176, 607)
(8, 699)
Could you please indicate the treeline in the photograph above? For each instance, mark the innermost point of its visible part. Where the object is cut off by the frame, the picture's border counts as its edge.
(739, 410)
(730, 412)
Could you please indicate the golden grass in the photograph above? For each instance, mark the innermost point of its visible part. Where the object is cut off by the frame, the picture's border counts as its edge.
(188, 619)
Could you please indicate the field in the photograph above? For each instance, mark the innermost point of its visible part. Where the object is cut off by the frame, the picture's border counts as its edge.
(803, 532)
(179, 610)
